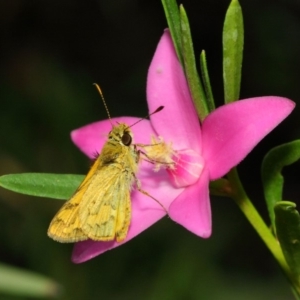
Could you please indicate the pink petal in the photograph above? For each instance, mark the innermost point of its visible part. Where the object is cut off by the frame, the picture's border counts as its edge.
(91, 138)
(191, 208)
(233, 130)
(188, 168)
(145, 212)
(166, 85)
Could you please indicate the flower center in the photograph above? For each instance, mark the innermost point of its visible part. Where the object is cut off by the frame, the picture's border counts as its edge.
(188, 168)
(183, 166)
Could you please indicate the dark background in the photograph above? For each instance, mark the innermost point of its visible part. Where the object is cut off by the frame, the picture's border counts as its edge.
(50, 54)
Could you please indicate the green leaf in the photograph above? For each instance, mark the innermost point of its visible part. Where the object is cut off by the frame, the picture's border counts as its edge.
(287, 222)
(272, 165)
(233, 42)
(206, 82)
(191, 73)
(57, 186)
(173, 19)
(14, 281)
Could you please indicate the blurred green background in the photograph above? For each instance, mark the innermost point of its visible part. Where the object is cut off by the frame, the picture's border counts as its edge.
(50, 54)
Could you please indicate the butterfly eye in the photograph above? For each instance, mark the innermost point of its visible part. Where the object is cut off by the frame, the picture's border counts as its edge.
(126, 139)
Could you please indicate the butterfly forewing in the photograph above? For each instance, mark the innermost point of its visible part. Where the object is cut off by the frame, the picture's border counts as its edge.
(104, 214)
(65, 226)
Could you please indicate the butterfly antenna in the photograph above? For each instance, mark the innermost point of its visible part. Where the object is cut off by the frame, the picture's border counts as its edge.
(154, 112)
(102, 97)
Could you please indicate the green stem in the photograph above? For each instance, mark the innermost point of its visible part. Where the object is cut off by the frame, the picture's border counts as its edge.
(239, 195)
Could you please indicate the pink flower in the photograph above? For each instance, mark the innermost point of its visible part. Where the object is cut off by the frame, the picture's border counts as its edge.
(203, 153)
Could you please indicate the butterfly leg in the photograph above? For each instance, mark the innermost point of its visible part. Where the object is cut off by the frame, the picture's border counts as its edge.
(138, 186)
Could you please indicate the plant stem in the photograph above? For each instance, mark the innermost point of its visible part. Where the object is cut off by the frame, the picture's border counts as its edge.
(239, 195)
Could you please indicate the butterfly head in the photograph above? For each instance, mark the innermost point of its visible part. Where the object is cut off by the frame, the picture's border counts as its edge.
(121, 133)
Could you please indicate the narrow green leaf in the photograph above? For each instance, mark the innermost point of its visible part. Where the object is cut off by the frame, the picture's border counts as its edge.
(272, 165)
(233, 43)
(57, 186)
(14, 281)
(287, 222)
(206, 82)
(193, 79)
(173, 19)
